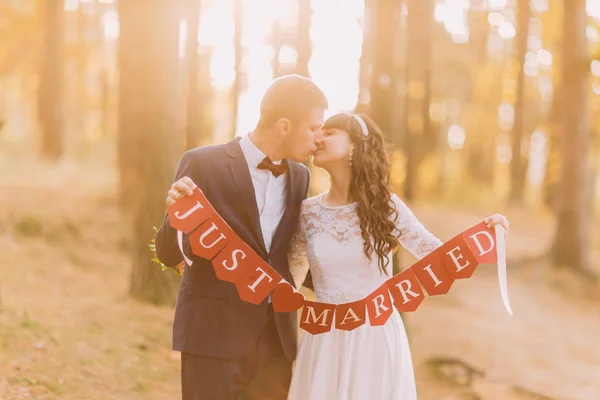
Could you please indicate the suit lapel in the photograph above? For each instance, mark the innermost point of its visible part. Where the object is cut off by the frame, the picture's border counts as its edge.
(293, 196)
(243, 181)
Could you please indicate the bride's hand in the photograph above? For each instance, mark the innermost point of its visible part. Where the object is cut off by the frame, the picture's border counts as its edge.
(496, 219)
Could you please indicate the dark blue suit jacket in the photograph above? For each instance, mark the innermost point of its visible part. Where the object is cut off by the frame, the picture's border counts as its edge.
(210, 319)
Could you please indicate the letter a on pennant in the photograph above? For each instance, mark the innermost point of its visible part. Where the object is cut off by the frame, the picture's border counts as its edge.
(190, 211)
(350, 316)
(482, 242)
(406, 290)
(317, 317)
(457, 257)
(432, 274)
(379, 305)
(258, 282)
(211, 237)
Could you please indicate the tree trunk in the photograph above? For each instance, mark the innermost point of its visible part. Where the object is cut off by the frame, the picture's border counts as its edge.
(572, 231)
(303, 47)
(518, 164)
(194, 112)
(237, 46)
(362, 105)
(552, 176)
(419, 136)
(51, 81)
(151, 120)
(383, 80)
(276, 42)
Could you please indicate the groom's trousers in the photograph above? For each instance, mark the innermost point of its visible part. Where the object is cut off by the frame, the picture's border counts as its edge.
(265, 373)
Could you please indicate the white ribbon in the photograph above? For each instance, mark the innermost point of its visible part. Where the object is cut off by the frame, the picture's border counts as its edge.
(501, 252)
(180, 243)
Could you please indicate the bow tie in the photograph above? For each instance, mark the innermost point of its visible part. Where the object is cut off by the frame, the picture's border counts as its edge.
(276, 169)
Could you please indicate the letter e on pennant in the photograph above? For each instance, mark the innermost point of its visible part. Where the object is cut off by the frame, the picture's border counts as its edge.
(458, 259)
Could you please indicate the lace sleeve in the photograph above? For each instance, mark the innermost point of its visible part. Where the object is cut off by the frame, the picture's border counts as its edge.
(411, 232)
(297, 258)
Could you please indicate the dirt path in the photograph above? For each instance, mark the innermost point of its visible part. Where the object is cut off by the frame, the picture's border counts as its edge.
(68, 330)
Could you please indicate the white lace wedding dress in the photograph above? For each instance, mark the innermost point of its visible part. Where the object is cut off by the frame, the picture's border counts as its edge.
(369, 362)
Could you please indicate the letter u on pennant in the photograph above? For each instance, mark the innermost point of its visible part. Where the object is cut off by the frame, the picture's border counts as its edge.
(211, 237)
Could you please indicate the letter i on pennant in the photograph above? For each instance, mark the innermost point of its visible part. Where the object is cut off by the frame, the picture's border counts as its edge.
(432, 274)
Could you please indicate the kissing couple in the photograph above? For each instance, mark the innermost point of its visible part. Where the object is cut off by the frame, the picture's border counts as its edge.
(339, 243)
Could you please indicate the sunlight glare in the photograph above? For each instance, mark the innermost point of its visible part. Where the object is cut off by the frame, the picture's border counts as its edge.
(507, 30)
(456, 137)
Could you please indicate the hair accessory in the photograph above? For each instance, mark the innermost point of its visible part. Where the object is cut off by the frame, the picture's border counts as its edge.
(362, 124)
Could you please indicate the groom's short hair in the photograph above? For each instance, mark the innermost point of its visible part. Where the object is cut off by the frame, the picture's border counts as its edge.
(291, 97)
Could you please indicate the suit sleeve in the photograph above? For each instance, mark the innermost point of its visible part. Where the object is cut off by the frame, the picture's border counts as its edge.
(167, 249)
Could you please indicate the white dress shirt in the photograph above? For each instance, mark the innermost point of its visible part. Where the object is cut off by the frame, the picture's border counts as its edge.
(270, 191)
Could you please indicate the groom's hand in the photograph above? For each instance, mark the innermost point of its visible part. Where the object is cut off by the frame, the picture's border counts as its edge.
(183, 187)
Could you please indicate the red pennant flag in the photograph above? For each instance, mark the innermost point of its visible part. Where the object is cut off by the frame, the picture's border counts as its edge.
(379, 305)
(432, 274)
(482, 241)
(235, 261)
(285, 298)
(458, 259)
(211, 237)
(190, 211)
(258, 282)
(350, 316)
(317, 317)
(406, 290)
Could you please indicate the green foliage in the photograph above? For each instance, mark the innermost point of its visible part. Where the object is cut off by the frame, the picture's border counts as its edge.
(152, 247)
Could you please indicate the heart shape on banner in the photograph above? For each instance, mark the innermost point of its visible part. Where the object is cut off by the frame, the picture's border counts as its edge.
(286, 298)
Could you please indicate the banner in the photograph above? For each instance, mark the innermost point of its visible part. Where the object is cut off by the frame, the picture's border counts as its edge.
(234, 261)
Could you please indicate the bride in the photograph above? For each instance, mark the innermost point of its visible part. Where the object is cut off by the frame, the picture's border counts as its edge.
(346, 237)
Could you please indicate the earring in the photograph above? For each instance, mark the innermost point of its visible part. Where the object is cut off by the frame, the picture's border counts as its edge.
(350, 158)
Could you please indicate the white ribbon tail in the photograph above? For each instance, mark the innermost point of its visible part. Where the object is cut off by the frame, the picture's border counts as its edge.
(180, 243)
(501, 251)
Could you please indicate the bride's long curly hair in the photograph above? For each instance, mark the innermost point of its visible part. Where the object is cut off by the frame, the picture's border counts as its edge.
(370, 186)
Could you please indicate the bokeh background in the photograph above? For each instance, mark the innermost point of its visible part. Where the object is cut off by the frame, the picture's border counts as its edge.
(488, 106)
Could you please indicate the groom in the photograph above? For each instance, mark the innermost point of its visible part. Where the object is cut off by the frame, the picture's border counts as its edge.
(231, 349)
